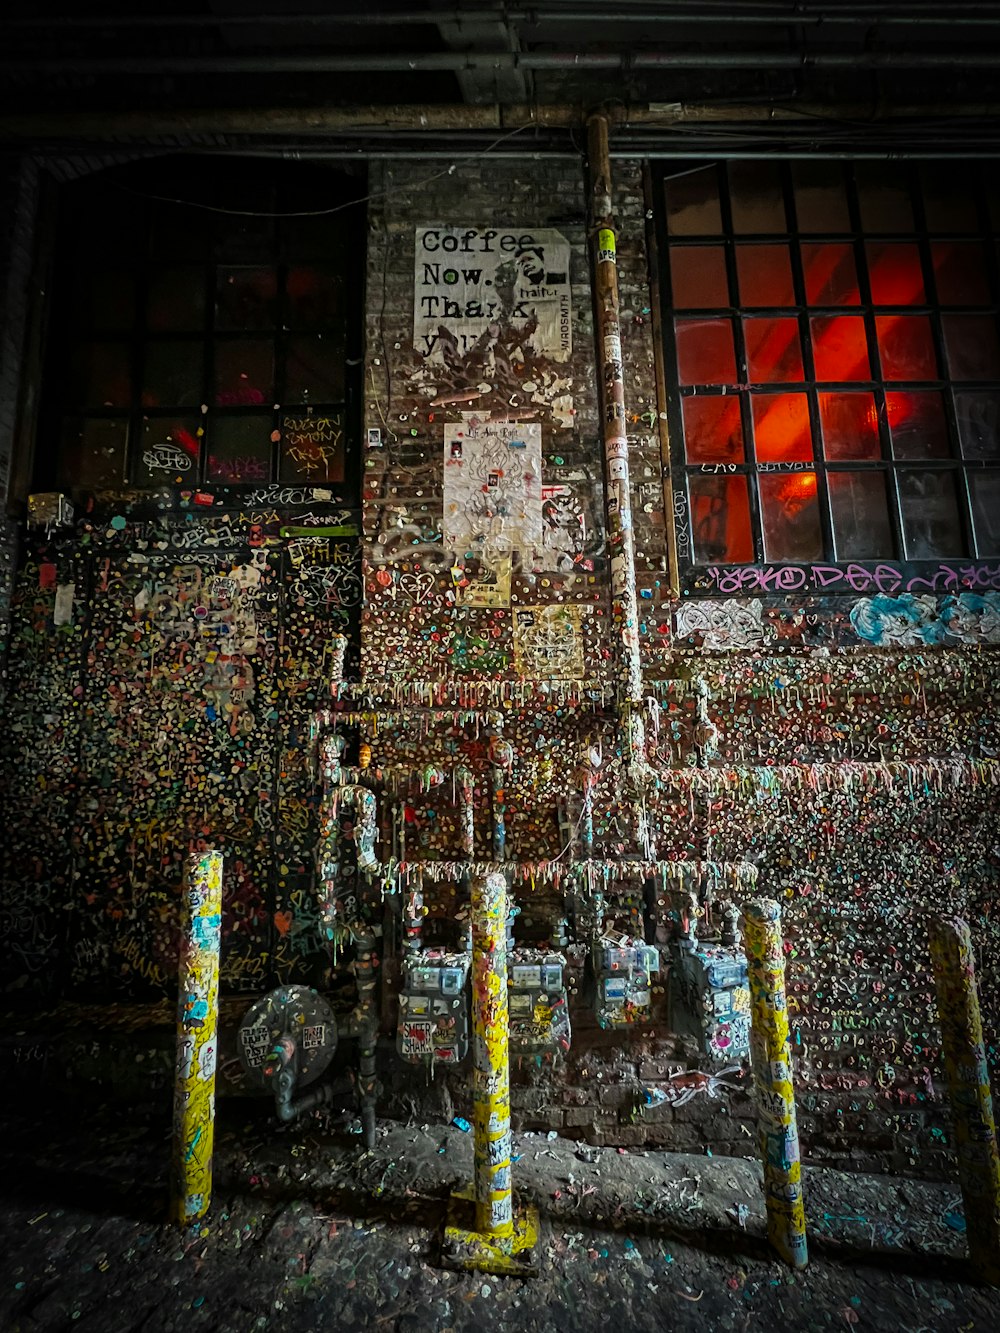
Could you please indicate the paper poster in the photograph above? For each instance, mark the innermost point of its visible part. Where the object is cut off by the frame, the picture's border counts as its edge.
(467, 279)
(548, 642)
(492, 488)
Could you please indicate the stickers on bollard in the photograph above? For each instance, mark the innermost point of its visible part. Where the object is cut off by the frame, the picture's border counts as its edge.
(294, 1012)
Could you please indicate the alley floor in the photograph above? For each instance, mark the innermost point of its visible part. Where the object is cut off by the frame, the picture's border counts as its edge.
(309, 1231)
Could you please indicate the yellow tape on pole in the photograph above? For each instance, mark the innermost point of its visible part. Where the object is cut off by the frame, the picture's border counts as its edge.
(968, 1090)
(197, 1029)
(491, 1057)
(772, 1071)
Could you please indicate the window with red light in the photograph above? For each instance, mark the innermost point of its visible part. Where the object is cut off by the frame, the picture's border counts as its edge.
(833, 360)
(205, 312)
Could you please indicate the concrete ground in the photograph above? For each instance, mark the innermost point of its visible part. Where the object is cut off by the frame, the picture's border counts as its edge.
(309, 1231)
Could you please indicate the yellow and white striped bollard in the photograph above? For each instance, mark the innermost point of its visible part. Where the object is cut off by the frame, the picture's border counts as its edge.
(197, 1032)
(771, 1057)
(968, 1091)
(491, 1057)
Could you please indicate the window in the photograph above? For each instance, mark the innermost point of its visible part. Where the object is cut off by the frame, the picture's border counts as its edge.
(205, 311)
(832, 341)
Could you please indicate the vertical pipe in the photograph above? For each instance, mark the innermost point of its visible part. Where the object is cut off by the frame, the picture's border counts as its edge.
(197, 1028)
(618, 497)
(969, 1090)
(491, 1057)
(498, 800)
(621, 538)
(331, 772)
(772, 1072)
(338, 655)
(466, 811)
(366, 1028)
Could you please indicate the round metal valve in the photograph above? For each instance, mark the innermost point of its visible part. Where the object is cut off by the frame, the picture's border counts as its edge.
(294, 1012)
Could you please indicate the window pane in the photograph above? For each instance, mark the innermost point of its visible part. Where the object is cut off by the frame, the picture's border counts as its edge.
(104, 300)
(860, 515)
(318, 237)
(850, 426)
(971, 346)
(773, 352)
(765, 275)
(960, 273)
(905, 347)
(179, 231)
(978, 417)
(756, 197)
(244, 239)
(173, 374)
(100, 375)
(948, 203)
(884, 196)
(246, 298)
(175, 302)
(169, 449)
(820, 201)
(894, 273)
(720, 519)
(92, 453)
(312, 448)
(931, 530)
(830, 274)
(693, 204)
(781, 430)
(705, 351)
(917, 425)
(985, 491)
(244, 372)
(713, 432)
(239, 447)
(314, 298)
(790, 516)
(698, 276)
(314, 369)
(840, 348)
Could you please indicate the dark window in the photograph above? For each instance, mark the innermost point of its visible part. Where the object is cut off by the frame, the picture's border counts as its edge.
(206, 315)
(834, 351)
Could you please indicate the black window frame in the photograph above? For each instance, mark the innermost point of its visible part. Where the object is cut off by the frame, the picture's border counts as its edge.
(167, 191)
(961, 571)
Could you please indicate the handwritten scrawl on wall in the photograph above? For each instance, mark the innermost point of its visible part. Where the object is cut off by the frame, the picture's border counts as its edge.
(492, 500)
(468, 280)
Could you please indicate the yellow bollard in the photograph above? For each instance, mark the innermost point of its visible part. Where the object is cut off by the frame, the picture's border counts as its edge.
(483, 1231)
(968, 1090)
(197, 1028)
(772, 1071)
(491, 1056)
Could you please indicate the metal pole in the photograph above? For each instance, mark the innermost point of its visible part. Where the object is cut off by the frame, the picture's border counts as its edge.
(621, 538)
(366, 1027)
(968, 1090)
(772, 1072)
(197, 1027)
(491, 1057)
(466, 810)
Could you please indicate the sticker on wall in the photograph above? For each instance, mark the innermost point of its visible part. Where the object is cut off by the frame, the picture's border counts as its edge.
(548, 642)
(491, 585)
(467, 279)
(492, 486)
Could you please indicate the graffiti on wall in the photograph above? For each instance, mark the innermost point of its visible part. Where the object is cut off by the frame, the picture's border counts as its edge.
(728, 624)
(162, 703)
(909, 621)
